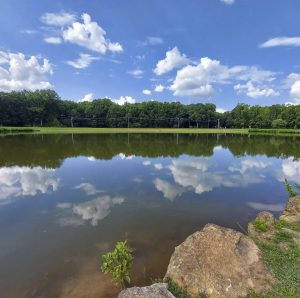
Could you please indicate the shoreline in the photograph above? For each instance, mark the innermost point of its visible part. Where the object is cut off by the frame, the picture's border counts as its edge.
(269, 253)
(88, 130)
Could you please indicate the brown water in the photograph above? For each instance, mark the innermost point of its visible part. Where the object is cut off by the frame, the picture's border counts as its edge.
(65, 200)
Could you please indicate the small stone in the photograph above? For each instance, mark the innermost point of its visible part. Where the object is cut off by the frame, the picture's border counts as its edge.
(158, 290)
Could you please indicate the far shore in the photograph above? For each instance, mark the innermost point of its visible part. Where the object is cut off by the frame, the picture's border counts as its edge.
(89, 130)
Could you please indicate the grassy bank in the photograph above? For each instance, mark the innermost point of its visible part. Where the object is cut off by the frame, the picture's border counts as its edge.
(88, 130)
(282, 256)
(278, 132)
(15, 130)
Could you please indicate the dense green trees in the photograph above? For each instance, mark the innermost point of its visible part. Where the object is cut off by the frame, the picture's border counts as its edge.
(44, 107)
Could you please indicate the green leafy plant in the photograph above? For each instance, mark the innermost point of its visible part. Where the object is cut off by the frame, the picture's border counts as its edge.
(260, 225)
(118, 262)
(291, 191)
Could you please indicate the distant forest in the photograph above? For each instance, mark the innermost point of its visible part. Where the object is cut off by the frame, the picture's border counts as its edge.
(45, 108)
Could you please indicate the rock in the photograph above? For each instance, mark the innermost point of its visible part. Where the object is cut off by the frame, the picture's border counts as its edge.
(291, 213)
(266, 236)
(219, 262)
(266, 216)
(159, 290)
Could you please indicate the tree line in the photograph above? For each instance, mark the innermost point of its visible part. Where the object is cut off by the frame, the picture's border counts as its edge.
(45, 108)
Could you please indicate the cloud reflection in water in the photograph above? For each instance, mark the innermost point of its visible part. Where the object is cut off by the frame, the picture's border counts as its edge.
(25, 181)
(92, 211)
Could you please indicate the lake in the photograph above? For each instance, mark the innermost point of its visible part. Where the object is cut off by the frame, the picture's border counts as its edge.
(67, 199)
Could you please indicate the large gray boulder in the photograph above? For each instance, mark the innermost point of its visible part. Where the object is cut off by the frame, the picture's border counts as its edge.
(219, 262)
(291, 213)
(159, 290)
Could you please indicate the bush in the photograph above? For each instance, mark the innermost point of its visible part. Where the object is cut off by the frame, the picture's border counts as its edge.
(260, 225)
(279, 123)
(118, 262)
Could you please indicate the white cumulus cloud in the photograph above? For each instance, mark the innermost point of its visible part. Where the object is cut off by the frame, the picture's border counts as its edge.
(293, 84)
(174, 59)
(90, 35)
(199, 80)
(295, 90)
(123, 99)
(159, 88)
(147, 92)
(18, 72)
(255, 91)
(221, 110)
(88, 97)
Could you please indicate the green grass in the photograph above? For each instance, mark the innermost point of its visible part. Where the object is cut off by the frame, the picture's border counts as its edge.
(10, 130)
(88, 130)
(279, 224)
(278, 132)
(284, 264)
(260, 225)
(282, 261)
(282, 236)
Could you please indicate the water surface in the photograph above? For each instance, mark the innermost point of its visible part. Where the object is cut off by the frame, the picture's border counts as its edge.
(66, 199)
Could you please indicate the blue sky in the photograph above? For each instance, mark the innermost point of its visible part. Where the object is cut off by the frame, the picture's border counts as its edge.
(217, 51)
